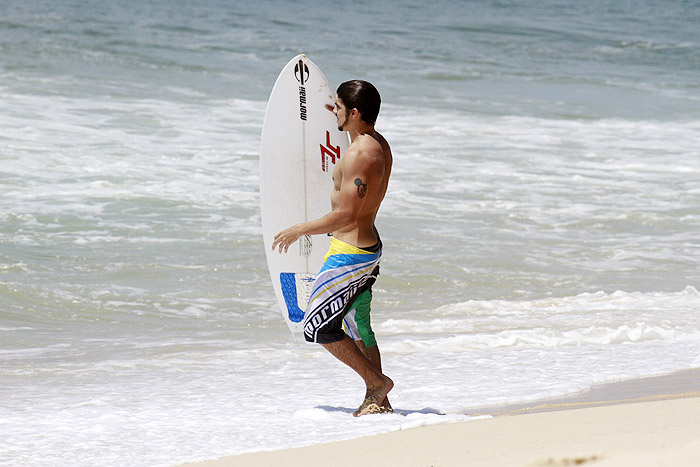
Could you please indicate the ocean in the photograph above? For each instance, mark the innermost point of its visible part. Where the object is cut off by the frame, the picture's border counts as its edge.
(540, 228)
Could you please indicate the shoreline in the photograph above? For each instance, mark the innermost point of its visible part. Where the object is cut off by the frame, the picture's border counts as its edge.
(677, 385)
(646, 421)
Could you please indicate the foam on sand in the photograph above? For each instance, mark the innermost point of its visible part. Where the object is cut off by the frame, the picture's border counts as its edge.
(659, 428)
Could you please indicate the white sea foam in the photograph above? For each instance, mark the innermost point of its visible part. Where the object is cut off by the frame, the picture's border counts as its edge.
(528, 349)
(540, 227)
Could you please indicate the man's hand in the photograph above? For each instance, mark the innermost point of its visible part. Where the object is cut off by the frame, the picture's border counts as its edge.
(286, 238)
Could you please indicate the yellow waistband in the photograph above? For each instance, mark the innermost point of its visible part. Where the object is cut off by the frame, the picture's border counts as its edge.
(339, 247)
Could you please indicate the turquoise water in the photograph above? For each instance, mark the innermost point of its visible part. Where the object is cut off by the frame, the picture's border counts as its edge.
(540, 227)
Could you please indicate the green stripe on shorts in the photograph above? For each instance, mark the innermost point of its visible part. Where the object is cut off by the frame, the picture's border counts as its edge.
(362, 309)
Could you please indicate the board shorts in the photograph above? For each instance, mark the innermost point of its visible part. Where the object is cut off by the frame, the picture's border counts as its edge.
(342, 292)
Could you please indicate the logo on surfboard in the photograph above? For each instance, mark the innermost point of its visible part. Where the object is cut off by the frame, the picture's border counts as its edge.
(329, 151)
(305, 246)
(301, 72)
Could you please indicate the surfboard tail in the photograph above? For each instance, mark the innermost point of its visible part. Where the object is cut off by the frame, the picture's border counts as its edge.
(296, 289)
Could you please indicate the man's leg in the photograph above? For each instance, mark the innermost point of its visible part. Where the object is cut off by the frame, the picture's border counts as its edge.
(378, 385)
(357, 325)
(375, 359)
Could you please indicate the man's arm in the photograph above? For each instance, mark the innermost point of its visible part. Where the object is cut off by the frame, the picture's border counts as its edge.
(352, 195)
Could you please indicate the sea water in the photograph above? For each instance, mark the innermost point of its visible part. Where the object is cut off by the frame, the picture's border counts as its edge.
(540, 227)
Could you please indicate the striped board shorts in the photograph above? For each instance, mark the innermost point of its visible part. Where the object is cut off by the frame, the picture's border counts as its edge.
(342, 289)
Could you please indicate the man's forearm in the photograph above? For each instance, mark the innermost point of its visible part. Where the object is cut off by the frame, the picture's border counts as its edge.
(331, 222)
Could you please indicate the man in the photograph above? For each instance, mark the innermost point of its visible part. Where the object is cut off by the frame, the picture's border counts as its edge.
(342, 290)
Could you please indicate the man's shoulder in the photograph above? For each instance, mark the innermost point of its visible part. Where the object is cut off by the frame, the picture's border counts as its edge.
(364, 153)
(367, 145)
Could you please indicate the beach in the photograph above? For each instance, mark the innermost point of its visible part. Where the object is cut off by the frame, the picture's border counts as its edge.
(540, 232)
(647, 422)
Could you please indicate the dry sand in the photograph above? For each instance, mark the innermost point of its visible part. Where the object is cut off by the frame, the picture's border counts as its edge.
(642, 423)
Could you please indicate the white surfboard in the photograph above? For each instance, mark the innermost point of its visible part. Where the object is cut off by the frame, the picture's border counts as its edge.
(300, 146)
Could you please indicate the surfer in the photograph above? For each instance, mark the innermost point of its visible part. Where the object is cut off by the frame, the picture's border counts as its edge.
(342, 290)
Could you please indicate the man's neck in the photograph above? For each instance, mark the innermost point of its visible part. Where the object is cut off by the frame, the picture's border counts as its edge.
(364, 129)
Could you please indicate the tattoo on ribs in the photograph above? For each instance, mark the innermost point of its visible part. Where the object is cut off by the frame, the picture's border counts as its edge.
(361, 188)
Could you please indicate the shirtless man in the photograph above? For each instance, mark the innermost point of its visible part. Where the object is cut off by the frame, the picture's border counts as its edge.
(360, 183)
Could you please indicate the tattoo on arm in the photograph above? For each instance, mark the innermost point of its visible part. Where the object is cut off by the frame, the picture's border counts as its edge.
(361, 188)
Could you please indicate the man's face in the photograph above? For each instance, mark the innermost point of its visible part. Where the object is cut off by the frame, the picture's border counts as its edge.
(340, 112)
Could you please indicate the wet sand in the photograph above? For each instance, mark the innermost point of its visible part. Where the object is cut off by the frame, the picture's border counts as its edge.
(643, 422)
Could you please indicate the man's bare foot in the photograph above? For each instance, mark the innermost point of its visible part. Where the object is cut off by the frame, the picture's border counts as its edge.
(368, 406)
(375, 400)
(386, 407)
